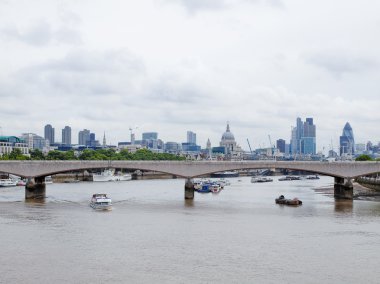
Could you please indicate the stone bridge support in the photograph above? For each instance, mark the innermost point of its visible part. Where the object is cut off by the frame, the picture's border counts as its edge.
(35, 188)
(343, 188)
(189, 189)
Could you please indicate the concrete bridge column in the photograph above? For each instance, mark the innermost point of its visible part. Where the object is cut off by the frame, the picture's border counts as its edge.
(35, 188)
(189, 189)
(343, 188)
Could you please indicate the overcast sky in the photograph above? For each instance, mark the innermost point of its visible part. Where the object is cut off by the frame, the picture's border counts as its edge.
(175, 65)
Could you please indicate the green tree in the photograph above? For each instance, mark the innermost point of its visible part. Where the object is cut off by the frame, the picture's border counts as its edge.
(36, 154)
(363, 158)
(16, 154)
(56, 155)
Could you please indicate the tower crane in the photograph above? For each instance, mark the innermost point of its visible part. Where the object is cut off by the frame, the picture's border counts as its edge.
(271, 145)
(249, 145)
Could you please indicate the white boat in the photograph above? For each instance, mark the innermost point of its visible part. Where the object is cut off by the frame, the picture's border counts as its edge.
(100, 201)
(48, 180)
(215, 188)
(20, 182)
(261, 179)
(109, 175)
(5, 182)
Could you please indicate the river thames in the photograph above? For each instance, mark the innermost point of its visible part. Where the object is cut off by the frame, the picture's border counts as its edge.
(153, 235)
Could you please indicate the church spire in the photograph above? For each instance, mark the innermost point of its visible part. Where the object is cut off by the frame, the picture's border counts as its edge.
(104, 139)
(228, 126)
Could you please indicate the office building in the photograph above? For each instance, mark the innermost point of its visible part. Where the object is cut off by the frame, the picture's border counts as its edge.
(8, 143)
(347, 141)
(66, 135)
(280, 145)
(191, 137)
(49, 133)
(303, 138)
(150, 135)
(83, 137)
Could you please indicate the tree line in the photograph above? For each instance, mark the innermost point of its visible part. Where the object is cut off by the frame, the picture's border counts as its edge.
(89, 154)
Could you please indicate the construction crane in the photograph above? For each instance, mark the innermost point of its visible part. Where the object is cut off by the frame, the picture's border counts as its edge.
(131, 129)
(249, 145)
(271, 146)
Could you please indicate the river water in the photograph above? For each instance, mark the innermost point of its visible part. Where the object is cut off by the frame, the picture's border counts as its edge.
(153, 235)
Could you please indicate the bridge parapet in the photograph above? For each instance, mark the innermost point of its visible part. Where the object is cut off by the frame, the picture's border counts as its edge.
(189, 169)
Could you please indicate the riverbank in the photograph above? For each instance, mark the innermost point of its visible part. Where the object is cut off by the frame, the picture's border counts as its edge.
(360, 192)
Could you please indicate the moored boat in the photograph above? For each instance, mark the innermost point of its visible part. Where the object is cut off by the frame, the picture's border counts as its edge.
(215, 188)
(109, 175)
(100, 201)
(6, 182)
(282, 200)
(312, 177)
(261, 179)
(225, 174)
(289, 178)
(21, 182)
(48, 180)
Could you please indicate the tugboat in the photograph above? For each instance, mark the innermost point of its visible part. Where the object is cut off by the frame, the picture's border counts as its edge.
(282, 200)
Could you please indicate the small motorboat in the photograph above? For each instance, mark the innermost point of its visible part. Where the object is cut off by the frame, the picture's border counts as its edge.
(215, 188)
(289, 178)
(312, 177)
(205, 188)
(100, 201)
(282, 200)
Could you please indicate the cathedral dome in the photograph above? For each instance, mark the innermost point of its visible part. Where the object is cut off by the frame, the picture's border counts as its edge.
(228, 134)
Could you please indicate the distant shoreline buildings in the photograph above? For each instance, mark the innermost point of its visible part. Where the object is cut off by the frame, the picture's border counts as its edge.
(302, 144)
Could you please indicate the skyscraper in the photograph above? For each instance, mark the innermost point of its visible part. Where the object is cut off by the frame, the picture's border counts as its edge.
(191, 137)
(83, 137)
(49, 133)
(308, 138)
(280, 144)
(149, 135)
(303, 137)
(66, 135)
(347, 141)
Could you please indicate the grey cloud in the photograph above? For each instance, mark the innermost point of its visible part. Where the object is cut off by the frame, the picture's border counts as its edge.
(339, 63)
(195, 6)
(69, 36)
(167, 91)
(41, 33)
(38, 34)
(84, 73)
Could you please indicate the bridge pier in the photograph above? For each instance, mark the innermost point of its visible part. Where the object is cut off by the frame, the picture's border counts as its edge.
(343, 188)
(189, 189)
(35, 188)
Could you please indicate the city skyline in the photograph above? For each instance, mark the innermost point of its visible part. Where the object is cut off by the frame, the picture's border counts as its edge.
(258, 64)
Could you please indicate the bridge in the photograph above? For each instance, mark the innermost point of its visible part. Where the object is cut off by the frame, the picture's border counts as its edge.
(36, 171)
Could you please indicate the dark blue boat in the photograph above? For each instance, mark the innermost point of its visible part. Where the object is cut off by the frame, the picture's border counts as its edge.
(205, 188)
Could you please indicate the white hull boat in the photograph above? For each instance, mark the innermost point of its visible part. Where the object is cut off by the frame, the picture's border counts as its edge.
(109, 175)
(100, 201)
(6, 182)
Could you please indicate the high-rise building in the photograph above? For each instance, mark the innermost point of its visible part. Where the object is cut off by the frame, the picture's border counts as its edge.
(191, 137)
(35, 142)
(66, 135)
(303, 138)
(149, 135)
(83, 137)
(347, 141)
(308, 139)
(49, 133)
(150, 140)
(280, 145)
